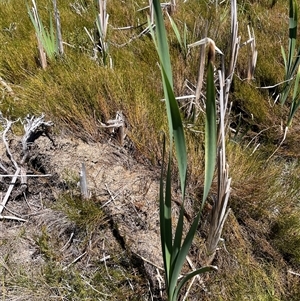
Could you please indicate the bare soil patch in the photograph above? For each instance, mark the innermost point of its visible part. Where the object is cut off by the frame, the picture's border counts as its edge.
(125, 190)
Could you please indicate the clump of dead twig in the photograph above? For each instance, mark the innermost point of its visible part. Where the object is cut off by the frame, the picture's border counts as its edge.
(16, 165)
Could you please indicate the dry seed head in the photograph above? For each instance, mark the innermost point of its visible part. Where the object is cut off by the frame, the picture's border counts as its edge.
(211, 52)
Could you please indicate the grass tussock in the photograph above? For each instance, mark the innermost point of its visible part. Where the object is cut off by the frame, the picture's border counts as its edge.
(242, 277)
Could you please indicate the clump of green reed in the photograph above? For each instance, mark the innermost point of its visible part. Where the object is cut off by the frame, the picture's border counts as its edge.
(100, 40)
(102, 24)
(49, 44)
(175, 249)
(292, 70)
(292, 63)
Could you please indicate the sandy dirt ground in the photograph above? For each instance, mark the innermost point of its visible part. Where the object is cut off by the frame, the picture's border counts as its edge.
(126, 190)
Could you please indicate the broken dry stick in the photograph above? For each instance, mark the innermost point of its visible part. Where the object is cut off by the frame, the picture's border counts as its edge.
(9, 190)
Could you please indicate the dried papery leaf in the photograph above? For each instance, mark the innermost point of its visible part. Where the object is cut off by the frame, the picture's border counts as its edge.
(58, 29)
(206, 41)
(199, 82)
(83, 182)
(212, 49)
(117, 125)
(151, 11)
(42, 54)
(235, 40)
(219, 209)
(252, 53)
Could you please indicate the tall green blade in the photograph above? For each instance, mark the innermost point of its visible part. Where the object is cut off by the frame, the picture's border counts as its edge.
(162, 44)
(181, 257)
(210, 132)
(178, 236)
(190, 276)
(174, 118)
(291, 65)
(176, 31)
(163, 52)
(292, 32)
(168, 218)
(295, 100)
(296, 63)
(175, 252)
(162, 222)
(178, 133)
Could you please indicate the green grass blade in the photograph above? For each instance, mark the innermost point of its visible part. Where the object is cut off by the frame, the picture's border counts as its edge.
(174, 118)
(296, 87)
(292, 63)
(295, 100)
(181, 154)
(296, 63)
(48, 43)
(292, 32)
(190, 275)
(285, 90)
(46, 38)
(99, 28)
(162, 210)
(177, 238)
(181, 257)
(160, 42)
(178, 133)
(163, 47)
(210, 133)
(53, 40)
(176, 31)
(37, 24)
(163, 52)
(168, 217)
